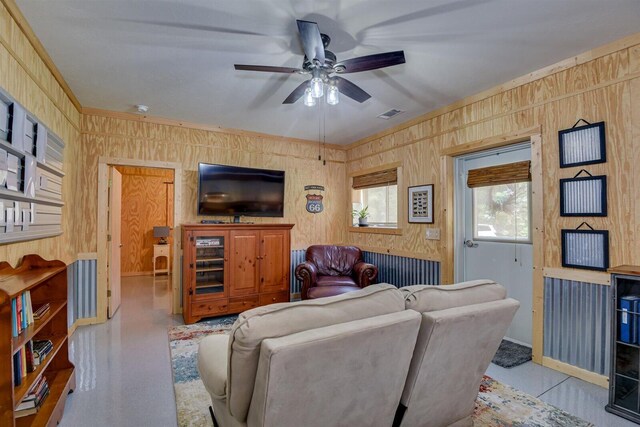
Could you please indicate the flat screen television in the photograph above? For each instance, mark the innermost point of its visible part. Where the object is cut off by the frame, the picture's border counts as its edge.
(236, 191)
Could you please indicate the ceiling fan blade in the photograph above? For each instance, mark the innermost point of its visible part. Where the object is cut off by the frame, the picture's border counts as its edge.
(311, 40)
(351, 90)
(266, 68)
(297, 93)
(195, 27)
(370, 62)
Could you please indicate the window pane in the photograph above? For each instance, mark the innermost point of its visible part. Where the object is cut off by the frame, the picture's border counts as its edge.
(377, 202)
(393, 203)
(502, 212)
(382, 203)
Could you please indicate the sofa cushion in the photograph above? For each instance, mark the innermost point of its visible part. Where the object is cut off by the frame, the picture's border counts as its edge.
(329, 291)
(335, 281)
(277, 320)
(425, 298)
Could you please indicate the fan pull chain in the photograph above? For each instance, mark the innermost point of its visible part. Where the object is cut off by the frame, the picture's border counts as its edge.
(515, 245)
(324, 135)
(319, 132)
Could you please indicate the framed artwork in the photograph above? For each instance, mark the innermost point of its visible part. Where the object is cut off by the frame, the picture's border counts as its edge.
(586, 196)
(421, 204)
(582, 145)
(587, 249)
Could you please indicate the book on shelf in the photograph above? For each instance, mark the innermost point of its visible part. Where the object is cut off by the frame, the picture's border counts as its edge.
(17, 369)
(40, 350)
(629, 319)
(36, 394)
(34, 399)
(41, 311)
(21, 313)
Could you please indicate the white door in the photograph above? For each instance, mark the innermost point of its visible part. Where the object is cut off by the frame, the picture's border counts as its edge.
(493, 233)
(115, 243)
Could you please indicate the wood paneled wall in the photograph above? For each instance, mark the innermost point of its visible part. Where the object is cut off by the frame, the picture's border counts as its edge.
(25, 76)
(600, 85)
(126, 136)
(147, 201)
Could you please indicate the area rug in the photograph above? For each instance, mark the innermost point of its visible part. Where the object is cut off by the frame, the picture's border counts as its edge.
(497, 404)
(510, 354)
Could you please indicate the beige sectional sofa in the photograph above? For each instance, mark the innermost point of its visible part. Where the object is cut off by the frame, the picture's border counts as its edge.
(365, 358)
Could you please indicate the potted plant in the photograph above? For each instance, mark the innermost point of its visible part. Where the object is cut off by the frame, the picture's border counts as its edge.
(362, 215)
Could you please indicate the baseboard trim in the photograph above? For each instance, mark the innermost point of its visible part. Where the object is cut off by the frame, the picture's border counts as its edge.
(575, 371)
(137, 273)
(82, 322)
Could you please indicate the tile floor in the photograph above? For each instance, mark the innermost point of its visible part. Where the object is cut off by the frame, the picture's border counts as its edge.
(123, 375)
(124, 378)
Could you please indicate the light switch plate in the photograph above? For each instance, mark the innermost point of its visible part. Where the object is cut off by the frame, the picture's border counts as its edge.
(432, 234)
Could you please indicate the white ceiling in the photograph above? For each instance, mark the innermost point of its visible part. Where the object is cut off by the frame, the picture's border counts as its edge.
(177, 56)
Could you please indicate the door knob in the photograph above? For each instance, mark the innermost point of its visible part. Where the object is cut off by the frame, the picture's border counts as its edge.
(470, 244)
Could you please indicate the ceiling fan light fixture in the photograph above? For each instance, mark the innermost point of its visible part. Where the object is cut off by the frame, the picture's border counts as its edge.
(309, 100)
(317, 87)
(333, 95)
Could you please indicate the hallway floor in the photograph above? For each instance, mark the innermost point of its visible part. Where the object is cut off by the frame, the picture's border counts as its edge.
(124, 376)
(123, 372)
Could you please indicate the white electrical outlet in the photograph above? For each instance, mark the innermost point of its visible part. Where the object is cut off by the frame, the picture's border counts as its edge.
(432, 234)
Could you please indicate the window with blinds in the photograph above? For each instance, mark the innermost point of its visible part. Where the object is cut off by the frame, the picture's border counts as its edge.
(379, 192)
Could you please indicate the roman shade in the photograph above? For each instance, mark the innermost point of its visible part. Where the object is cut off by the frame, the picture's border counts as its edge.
(501, 174)
(375, 179)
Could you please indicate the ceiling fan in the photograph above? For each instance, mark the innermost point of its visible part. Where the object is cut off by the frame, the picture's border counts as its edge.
(324, 68)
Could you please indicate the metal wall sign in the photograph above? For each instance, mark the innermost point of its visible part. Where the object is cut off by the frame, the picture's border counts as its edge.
(314, 201)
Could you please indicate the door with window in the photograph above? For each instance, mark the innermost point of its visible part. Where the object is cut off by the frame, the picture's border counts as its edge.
(493, 227)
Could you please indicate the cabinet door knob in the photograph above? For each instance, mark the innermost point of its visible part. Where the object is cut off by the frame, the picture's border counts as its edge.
(273, 299)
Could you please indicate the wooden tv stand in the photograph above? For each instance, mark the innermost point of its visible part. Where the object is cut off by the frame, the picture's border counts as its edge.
(230, 268)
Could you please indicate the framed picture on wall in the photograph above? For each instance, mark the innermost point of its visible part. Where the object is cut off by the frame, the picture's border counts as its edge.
(588, 249)
(421, 204)
(585, 196)
(582, 145)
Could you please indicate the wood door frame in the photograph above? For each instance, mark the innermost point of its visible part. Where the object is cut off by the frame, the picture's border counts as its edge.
(112, 173)
(447, 242)
(103, 196)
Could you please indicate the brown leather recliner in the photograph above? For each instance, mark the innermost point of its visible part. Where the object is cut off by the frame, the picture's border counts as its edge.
(332, 270)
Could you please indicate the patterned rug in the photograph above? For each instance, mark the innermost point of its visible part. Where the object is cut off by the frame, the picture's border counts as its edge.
(498, 405)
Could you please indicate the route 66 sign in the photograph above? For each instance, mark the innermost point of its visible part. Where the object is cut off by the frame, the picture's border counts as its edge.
(314, 203)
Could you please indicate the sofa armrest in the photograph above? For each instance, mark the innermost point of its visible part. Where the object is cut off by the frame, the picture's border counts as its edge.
(365, 274)
(307, 273)
(212, 364)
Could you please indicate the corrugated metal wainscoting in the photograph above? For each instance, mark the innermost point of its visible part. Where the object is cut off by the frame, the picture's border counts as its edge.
(577, 323)
(297, 257)
(404, 271)
(81, 289)
(397, 270)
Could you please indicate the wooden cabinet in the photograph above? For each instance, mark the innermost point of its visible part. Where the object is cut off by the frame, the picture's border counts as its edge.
(46, 283)
(230, 268)
(624, 373)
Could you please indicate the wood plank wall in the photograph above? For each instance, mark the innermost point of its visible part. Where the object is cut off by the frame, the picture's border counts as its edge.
(146, 202)
(600, 87)
(126, 136)
(25, 76)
